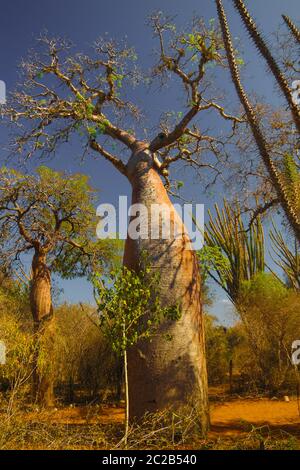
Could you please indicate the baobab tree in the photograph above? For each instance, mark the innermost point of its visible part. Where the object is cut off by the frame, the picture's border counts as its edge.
(51, 216)
(65, 94)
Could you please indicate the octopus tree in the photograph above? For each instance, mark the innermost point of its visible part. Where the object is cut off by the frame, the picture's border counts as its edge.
(65, 94)
(50, 215)
(285, 183)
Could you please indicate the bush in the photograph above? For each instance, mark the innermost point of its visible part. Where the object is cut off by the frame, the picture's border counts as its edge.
(217, 351)
(271, 322)
(16, 334)
(84, 357)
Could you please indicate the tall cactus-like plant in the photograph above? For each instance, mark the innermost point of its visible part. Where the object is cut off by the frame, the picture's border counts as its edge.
(286, 201)
(272, 64)
(292, 27)
(291, 180)
(286, 258)
(243, 250)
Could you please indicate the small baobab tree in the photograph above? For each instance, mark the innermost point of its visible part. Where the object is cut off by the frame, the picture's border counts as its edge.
(48, 215)
(65, 94)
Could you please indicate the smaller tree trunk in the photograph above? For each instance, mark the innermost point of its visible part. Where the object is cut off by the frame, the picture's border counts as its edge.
(126, 395)
(119, 378)
(71, 390)
(230, 376)
(42, 314)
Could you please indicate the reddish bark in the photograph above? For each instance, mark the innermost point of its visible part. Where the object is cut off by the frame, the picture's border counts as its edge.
(42, 313)
(166, 373)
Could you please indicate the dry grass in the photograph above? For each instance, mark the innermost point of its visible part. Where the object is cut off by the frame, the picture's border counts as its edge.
(238, 424)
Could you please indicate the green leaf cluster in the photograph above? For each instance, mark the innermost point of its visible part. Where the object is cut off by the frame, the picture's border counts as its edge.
(129, 307)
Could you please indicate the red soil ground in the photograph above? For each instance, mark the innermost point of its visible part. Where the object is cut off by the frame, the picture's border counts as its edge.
(229, 418)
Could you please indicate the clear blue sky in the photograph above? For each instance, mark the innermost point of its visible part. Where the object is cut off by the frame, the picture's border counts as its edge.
(83, 21)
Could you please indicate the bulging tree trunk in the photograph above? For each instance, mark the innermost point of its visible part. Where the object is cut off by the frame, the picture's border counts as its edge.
(167, 373)
(42, 313)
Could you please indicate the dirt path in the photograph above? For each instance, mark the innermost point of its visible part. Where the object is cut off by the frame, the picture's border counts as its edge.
(238, 416)
(228, 419)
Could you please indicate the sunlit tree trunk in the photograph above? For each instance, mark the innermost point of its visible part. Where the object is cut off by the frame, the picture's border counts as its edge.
(167, 373)
(119, 377)
(42, 313)
(126, 389)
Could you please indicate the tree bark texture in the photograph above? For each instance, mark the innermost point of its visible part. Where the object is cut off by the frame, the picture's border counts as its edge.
(42, 314)
(167, 373)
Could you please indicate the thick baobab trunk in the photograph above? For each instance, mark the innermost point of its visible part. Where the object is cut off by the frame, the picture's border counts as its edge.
(42, 313)
(167, 373)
